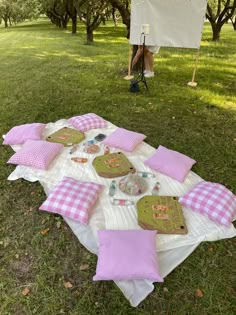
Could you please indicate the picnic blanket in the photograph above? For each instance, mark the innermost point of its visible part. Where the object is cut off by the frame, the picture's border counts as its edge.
(172, 249)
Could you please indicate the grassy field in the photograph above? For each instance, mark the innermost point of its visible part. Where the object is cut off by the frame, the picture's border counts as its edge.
(47, 74)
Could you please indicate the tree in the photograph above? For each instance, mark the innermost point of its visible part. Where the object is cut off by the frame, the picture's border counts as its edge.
(18, 10)
(218, 13)
(91, 12)
(123, 6)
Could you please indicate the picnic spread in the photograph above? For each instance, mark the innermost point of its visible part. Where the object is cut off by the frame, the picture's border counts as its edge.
(123, 199)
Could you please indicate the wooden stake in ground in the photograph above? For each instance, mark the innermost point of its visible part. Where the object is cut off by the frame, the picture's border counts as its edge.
(193, 83)
(129, 76)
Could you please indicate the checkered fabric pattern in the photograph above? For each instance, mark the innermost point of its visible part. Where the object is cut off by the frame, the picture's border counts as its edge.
(73, 199)
(87, 122)
(36, 153)
(20, 134)
(213, 200)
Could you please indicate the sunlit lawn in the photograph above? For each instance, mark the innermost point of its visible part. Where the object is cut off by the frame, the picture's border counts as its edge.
(47, 74)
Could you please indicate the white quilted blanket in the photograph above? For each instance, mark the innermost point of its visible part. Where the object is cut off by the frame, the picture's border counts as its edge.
(173, 249)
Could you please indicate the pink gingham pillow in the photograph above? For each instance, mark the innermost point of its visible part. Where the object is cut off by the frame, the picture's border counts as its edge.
(171, 163)
(36, 153)
(127, 255)
(73, 199)
(87, 122)
(19, 134)
(212, 200)
(124, 139)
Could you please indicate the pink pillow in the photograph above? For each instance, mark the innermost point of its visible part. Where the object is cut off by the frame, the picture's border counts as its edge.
(171, 163)
(124, 139)
(87, 122)
(36, 153)
(73, 199)
(212, 200)
(19, 134)
(127, 255)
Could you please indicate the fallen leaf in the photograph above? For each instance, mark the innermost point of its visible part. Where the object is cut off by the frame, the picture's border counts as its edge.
(229, 253)
(165, 289)
(58, 224)
(231, 290)
(210, 249)
(68, 285)
(43, 232)
(199, 293)
(83, 267)
(25, 291)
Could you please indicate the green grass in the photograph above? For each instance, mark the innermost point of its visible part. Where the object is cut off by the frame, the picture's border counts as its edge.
(47, 74)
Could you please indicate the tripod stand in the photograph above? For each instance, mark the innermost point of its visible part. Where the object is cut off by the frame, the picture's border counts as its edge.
(142, 76)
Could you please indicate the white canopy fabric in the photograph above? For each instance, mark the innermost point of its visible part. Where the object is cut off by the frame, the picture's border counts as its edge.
(172, 23)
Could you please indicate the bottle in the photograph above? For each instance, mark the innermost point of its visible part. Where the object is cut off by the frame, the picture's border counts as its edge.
(73, 149)
(156, 188)
(112, 188)
(122, 202)
(106, 150)
(146, 174)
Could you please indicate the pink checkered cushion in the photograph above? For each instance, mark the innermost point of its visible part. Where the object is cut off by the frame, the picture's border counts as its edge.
(36, 153)
(213, 200)
(72, 198)
(124, 139)
(19, 134)
(87, 122)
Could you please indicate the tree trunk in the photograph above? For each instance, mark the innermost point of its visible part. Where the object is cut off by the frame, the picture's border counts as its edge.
(215, 32)
(5, 21)
(89, 35)
(234, 23)
(74, 24)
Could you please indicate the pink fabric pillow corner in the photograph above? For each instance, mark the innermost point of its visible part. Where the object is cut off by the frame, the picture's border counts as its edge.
(124, 139)
(212, 200)
(36, 153)
(22, 133)
(87, 122)
(127, 255)
(171, 163)
(73, 199)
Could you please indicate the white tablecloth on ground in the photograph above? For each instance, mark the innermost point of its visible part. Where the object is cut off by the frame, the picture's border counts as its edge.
(172, 249)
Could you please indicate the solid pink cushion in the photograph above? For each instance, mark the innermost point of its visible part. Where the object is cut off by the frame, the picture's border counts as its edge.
(73, 199)
(36, 153)
(127, 255)
(124, 139)
(19, 134)
(87, 122)
(213, 200)
(172, 163)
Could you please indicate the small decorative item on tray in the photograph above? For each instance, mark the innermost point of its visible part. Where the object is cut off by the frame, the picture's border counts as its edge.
(161, 213)
(133, 185)
(112, 165)
(66, 136)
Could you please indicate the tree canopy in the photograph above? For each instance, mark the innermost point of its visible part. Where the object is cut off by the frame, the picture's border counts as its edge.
(93, 12)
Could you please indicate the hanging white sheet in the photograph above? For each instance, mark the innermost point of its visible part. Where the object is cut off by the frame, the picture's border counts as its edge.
(172, 23)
